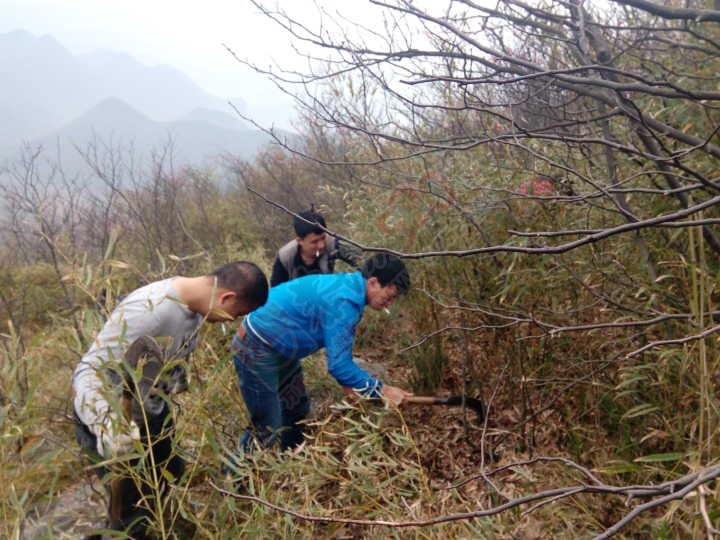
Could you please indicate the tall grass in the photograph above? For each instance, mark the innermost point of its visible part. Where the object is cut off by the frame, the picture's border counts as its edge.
(470, 325)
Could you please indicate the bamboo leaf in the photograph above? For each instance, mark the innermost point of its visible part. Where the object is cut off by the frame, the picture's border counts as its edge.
(660, 458)
(641, 410)
(619, 467)
(629, 381)
(117, 264)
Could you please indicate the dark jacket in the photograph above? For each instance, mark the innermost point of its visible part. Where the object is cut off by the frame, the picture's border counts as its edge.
(289, 264)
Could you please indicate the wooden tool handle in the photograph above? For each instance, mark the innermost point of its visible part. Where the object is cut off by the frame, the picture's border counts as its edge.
(427, 400)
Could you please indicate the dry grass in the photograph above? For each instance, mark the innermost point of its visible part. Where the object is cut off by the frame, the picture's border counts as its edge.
(364, 462)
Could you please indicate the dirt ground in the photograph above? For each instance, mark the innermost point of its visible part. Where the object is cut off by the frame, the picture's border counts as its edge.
(72, 514)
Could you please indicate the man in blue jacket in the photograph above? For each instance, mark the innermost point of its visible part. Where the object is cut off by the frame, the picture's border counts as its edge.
(300, 317)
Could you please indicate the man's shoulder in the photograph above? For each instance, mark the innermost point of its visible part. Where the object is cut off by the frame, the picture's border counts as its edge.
(155, 290)
(155, 301)
(354, 278)
(288, 249)
(333, 284)
(344, 284)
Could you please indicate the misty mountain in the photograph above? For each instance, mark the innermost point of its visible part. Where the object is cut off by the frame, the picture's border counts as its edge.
(52, 97)
(216, 118)
(114, 122)
(39, 71)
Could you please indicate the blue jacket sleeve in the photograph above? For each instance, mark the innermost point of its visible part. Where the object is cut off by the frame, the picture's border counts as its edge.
(339, 338)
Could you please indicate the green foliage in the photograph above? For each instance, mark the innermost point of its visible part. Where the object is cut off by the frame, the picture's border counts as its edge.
(358, 462)
(563, 344)
(31, 294)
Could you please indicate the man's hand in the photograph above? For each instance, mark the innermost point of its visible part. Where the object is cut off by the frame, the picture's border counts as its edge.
(394, 395)
(117, 438)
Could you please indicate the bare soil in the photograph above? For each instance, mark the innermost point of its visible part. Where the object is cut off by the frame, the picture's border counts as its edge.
(73, 513)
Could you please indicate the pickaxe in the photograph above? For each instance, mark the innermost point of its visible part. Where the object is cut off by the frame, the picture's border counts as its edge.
(451, 401)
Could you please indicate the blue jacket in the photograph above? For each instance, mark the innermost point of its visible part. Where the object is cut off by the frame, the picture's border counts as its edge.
(304, 315)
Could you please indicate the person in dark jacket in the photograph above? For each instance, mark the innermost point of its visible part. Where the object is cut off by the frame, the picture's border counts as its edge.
(312, 252)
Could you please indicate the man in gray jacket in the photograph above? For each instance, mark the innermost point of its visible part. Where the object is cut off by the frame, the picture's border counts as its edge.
(312, 252)
(171, 311)
(167, 314)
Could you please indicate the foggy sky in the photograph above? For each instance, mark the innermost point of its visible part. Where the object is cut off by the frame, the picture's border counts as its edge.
(186, 35)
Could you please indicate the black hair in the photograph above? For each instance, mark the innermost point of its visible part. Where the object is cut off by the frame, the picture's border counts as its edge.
(389, 270)
(303, 228)
(246, 280)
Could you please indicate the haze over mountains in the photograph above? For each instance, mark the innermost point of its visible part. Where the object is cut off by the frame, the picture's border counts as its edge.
(52, 97)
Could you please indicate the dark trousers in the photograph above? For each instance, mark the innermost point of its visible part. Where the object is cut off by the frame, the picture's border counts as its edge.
(134, 481)
(274, 393)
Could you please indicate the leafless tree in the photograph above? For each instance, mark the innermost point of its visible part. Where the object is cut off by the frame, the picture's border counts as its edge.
(41, 218)
(565, 131)
(142, 196)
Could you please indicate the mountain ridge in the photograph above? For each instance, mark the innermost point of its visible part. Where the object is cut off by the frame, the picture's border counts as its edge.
(54, 97)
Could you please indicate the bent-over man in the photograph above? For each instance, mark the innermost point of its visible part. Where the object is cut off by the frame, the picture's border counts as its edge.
(301, 317)
(171, 312)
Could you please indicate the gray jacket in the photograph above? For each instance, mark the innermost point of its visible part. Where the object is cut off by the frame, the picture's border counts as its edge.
(289, 266)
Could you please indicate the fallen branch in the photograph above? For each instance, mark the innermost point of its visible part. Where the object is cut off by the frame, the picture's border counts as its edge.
(665, 493)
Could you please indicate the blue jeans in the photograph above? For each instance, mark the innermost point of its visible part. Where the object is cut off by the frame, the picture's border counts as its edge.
(274, 392)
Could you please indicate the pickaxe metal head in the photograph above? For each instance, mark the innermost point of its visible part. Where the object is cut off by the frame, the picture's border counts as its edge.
(452, 401)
